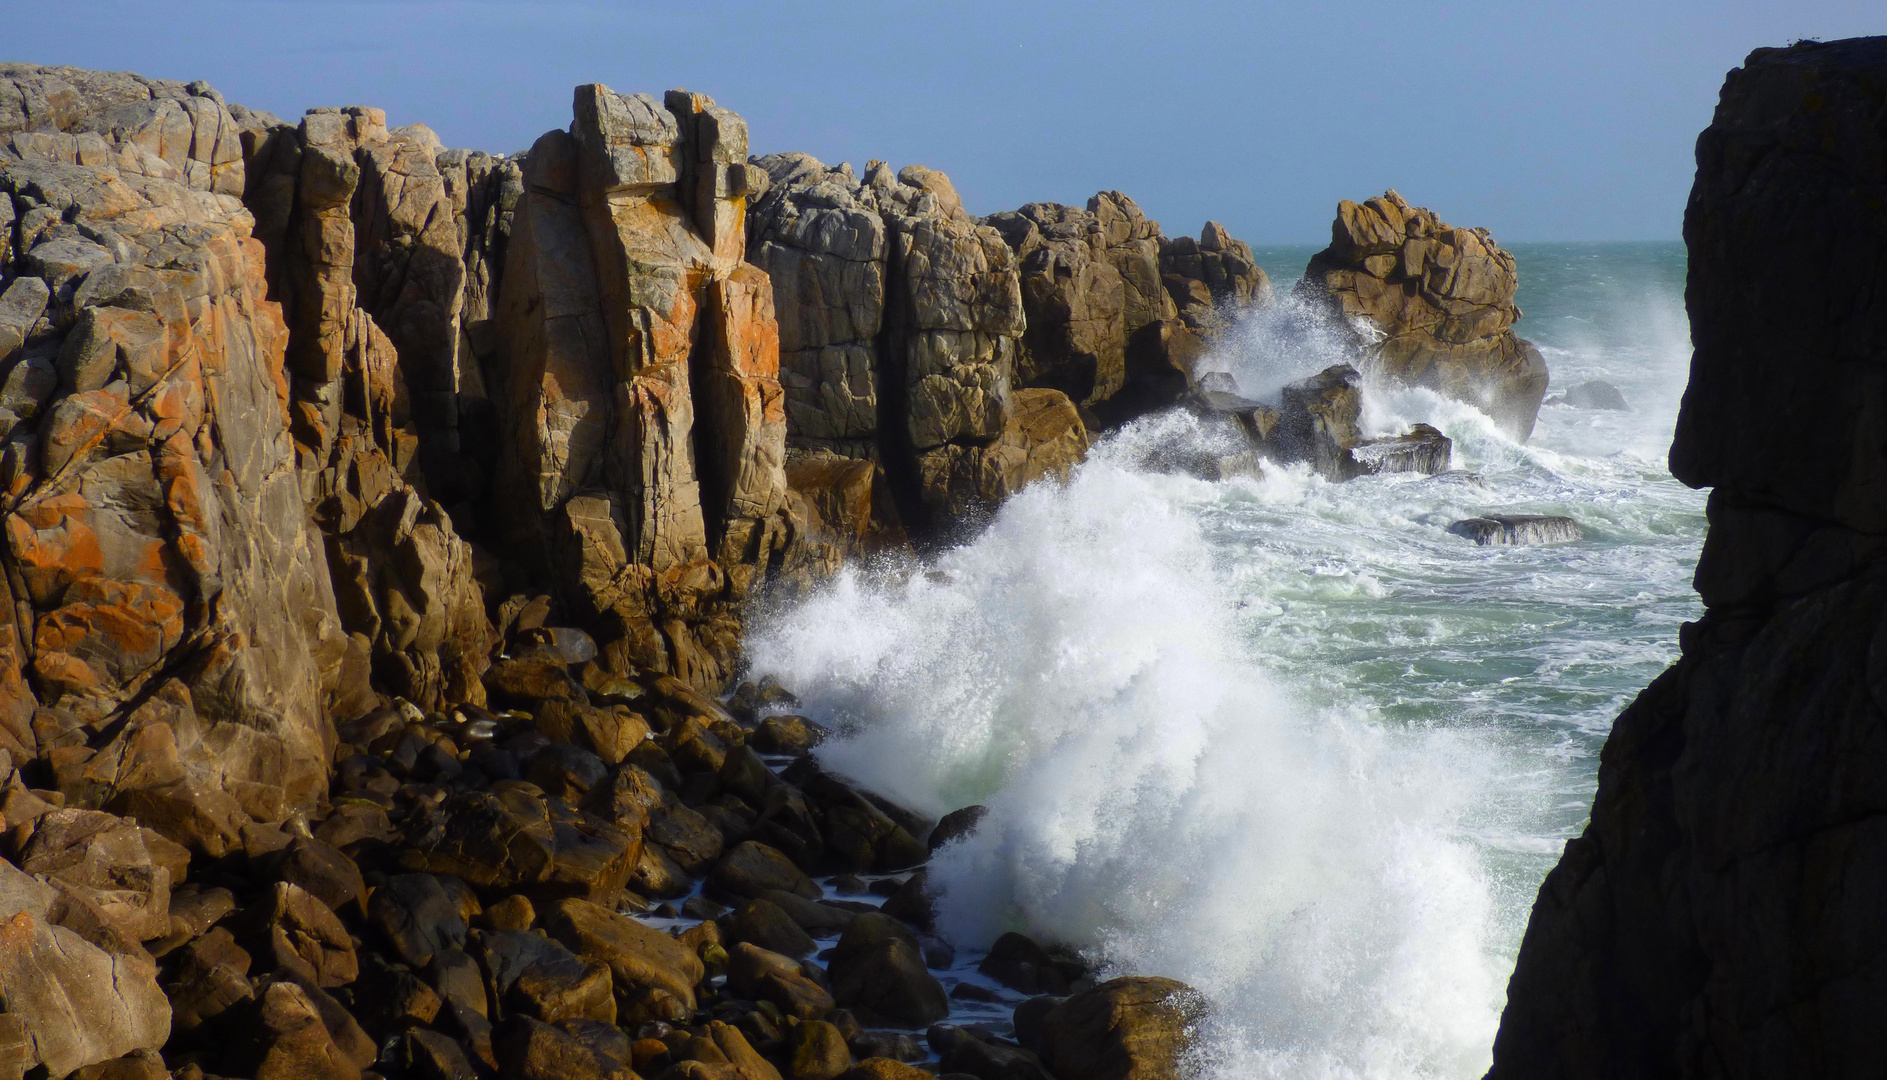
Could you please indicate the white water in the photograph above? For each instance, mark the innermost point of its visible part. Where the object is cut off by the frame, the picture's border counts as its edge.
(1287, 741)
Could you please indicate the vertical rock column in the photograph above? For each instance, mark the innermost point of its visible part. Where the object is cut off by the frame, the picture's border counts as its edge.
(643, 421)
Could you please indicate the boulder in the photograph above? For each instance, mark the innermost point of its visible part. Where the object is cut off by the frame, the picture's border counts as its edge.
(816, 1051)
(765, 924)
(305, 937)
(772, 977)
(1502, 530)
(753, 868)
(76, 1003)
(641, 960)
(1423, 449)
(972, 1052)
(123, 871)
(292, 1040)
(1133, 1028)
(1595, 394)
(536, 976)
(209, 977)
(877, 967)
(1017, 962)
(417, 917)
(1430, 304)
(529, 1049)
(513, 838)
(883, 1068)
(955, 825)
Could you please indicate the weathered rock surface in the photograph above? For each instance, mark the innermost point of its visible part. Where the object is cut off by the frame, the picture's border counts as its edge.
(1430, 304)
(158, 556)
(1503, 530)
(1133, 1028)
(901, 320)
(1719, 915)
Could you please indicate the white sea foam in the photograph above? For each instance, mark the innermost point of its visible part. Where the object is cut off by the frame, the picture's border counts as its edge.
(1287, 740)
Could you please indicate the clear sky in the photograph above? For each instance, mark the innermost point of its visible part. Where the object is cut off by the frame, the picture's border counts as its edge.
(1570, 120)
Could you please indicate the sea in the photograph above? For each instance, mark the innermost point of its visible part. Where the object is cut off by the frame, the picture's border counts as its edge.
(1288, 741)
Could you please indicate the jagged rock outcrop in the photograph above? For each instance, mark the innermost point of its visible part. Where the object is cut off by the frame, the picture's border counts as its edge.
(900, 319)
(1430, 304)
(642, 419)
(1117, 313)
(1213, 278)
(160, 564)
(1720, 915)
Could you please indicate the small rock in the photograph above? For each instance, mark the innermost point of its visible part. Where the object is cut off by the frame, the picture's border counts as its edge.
(764, 924)
(1017, 962)
(1502, 530)
(1596, 394)
(955, 825)
(816, 1051)
(538, 977)
(788, 735)
(512, 913)
(753, 868)
(769, 976)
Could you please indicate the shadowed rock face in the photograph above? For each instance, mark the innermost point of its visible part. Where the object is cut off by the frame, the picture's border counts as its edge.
(1431, 305)
(1720, 916)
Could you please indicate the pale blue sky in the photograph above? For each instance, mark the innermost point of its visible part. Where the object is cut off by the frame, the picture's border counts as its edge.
(1541, 121)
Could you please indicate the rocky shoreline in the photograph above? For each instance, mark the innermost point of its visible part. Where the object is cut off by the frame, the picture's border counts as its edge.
(379, 522)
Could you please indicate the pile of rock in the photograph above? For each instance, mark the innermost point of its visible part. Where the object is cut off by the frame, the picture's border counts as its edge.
(378, 519)
(1429, 304)
(461, 903)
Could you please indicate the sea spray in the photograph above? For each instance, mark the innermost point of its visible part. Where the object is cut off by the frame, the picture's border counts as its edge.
(1290, 740)
(1155, 798)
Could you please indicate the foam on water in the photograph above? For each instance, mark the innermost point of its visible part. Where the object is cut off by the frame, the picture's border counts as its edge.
(1288, 741)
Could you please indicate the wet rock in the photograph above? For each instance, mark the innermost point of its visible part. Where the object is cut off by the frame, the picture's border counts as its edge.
(529, 1049)
(1422, 449)
(686, 837)
(1595, 394)
(955, 825)
(793, 735)
(764, 924)
(816, 1051)
(649, 968)
(610, 734)
(969, 1051)
(529, 679)
(877, 966)
(754, 868)
(1017, 962)
(1511, 529)
(1133, 1028)
(883, 1068)
(913, 902)
(858, 834)
(770, 976)
(1435, 303)
(816, 916)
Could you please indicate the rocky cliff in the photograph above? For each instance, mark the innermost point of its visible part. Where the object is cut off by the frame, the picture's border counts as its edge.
(1720, 916)
(1430, 304)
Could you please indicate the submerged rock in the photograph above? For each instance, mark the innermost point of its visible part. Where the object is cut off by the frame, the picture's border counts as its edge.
(1514, 529)
(1596, 394)
(1422, 449)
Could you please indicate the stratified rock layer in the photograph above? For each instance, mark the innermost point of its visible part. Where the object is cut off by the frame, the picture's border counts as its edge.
(1720, 916)
(1431, 305)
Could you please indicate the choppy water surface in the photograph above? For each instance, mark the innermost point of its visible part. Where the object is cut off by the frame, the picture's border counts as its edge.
(1289, 741)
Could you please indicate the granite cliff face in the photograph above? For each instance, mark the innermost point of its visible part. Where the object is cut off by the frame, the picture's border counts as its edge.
(1721, 914)
(1430, 304)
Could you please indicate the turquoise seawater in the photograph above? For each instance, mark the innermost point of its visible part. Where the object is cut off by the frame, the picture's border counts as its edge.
(1287, 740)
